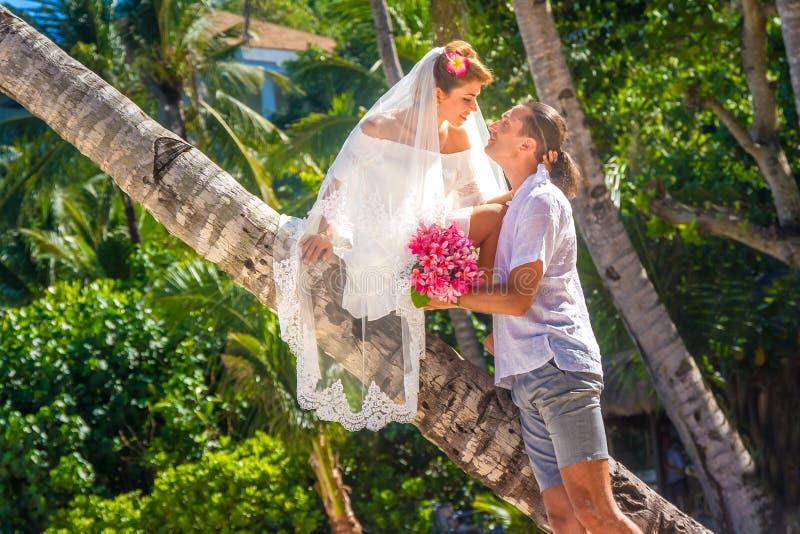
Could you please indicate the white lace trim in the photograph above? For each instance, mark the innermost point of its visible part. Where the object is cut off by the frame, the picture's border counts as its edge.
(330, 404)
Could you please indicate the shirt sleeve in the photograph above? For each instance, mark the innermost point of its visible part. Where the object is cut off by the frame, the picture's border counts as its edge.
(536, 231)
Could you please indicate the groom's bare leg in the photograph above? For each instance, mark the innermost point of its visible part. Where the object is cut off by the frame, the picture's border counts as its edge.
(588, 486)
(484, 230)
(559, 511)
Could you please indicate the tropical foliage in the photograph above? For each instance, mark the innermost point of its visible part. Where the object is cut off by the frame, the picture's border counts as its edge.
(136, 375)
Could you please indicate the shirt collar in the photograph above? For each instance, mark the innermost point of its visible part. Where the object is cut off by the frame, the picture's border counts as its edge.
(541, 176)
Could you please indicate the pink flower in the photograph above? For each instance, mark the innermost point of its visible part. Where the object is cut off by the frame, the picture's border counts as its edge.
(456, 63)
(446, 263)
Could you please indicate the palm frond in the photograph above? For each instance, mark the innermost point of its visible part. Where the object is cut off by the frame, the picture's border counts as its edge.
(342, 75)
(69, 251)
(514, 521)
(196, 285)
(31, 170)
(255, 125)
(321, 135)
(234, 78)
(263, 180)
(350, 10)
(78, 220)
(261, 370)
(17, 271)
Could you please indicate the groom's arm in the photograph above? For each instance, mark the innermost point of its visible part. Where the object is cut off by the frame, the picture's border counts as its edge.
(513, 297)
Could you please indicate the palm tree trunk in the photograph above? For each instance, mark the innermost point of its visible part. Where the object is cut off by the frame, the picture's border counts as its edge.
(130, 216)
(449, 19)
(789, 11)
(170, 107)
(468, 343)
(330, 486)
(460, 411)
(737, 497)
(246, 23)
(386, 48)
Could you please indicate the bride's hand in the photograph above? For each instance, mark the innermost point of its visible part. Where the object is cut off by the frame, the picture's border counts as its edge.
(316, 247)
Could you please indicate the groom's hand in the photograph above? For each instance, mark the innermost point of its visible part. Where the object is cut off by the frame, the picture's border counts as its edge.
(436, 304)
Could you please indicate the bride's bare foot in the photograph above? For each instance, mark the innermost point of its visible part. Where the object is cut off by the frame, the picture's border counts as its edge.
(488, 343)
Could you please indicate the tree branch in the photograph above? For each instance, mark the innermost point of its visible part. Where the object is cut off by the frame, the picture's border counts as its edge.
(762, 141)
(726, 223)
(754, 57)
(789, 11)
(733, 125)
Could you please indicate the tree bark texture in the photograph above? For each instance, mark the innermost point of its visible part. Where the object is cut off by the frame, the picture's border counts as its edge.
(386, 47)
(771, 158)
(460, 410)
(449, 19)
(789, 12)
(330, 486)
(726, 223)
(468, 343)
(130, 217)
(725, 467)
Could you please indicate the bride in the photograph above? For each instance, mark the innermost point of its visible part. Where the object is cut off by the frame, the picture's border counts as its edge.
(416, 157)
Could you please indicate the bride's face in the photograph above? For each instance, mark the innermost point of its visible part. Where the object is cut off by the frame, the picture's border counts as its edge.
(456, 106)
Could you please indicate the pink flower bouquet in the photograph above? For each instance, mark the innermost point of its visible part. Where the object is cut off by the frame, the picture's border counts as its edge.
(446, 264)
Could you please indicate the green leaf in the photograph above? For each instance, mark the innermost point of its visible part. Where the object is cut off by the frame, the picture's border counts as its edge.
(418, 299)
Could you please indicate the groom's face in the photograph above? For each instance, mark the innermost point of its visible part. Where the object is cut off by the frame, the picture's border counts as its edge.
(506, 138)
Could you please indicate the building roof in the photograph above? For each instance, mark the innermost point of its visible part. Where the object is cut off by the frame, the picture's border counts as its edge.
(273, 36)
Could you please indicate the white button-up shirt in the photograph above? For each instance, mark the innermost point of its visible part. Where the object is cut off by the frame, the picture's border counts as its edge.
(539, 226)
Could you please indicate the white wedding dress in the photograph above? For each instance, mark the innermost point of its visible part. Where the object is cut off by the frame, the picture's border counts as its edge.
(374, 197)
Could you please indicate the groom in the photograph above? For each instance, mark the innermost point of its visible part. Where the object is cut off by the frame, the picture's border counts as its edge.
(545, 351)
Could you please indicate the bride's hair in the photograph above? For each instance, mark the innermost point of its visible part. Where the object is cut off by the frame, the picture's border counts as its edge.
(549, 129)
(476, 70)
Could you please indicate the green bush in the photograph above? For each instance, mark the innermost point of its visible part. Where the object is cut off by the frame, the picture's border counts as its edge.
(256, 487)
(96, 396)
(398, 477)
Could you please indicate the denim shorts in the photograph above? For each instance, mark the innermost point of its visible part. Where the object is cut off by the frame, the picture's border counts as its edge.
(560, 419)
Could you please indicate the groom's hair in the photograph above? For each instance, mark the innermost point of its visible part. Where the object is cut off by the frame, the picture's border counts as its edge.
(549, 129)
(476, 70)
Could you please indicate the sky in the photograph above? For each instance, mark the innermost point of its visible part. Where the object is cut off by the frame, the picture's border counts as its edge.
(16, 5)
(21, 4)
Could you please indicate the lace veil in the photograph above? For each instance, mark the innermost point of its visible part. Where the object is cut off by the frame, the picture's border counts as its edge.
(350, 321)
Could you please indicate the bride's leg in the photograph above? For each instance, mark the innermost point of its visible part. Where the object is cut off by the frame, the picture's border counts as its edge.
(484, 230)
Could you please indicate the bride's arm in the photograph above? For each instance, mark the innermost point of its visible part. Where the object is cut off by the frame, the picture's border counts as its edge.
(319, 246)
(501, 199)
